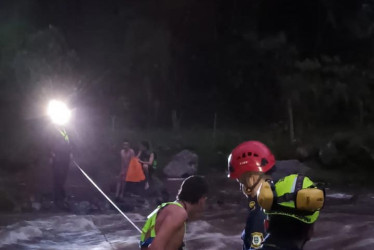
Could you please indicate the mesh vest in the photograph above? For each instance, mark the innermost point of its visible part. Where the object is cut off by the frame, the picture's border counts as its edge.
(148, 230)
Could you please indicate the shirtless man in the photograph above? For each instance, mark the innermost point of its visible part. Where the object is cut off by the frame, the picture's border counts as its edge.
(126, 154)
(166, 225)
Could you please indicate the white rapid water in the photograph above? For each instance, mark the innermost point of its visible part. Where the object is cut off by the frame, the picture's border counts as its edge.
(348, 224)
(100, 232)
(333, 231)
(70, 232)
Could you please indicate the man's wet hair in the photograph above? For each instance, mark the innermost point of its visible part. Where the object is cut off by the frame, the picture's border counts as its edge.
(193, 189)
(288, 228)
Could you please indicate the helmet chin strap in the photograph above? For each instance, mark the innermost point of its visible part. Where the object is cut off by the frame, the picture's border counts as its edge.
(249, 190)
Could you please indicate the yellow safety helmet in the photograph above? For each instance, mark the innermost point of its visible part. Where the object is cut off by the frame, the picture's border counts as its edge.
(295, 196)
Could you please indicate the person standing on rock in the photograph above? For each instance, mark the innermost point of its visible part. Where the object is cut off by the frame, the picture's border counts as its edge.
(146, 158)
(251, 163)
(166, 225)
(293, 205)
(126, 154)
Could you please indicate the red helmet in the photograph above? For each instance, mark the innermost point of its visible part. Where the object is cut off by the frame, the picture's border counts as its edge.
(250, 156)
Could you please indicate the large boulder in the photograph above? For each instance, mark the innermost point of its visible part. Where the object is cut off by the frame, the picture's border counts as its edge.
(287, 167)
(360, 155)
(183, 164)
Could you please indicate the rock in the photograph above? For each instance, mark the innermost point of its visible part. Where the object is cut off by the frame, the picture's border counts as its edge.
(329, 155)
(156, 186)
(183, 164)
(345, 150)
(83, 207)
(287, 167)
(99, 204)
(47, 204)
(6, 204)
(158, 191)
(164, 196)
(125, 207)
(36, 206)
(360, 155)
(306, 152)
(338, 198)
(17, 209)
(26, 207)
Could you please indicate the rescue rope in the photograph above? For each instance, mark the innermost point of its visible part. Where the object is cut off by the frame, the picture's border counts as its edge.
(111, 202)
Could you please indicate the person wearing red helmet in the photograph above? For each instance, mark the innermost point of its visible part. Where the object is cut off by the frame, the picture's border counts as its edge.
(251, 163)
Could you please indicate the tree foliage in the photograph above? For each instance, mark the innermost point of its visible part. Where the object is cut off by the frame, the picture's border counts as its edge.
(152, 61)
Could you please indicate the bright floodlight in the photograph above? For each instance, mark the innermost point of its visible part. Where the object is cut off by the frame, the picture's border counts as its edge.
(59, 112)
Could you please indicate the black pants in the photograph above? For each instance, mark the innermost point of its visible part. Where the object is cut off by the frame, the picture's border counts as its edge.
(150, 173)
(60, 173)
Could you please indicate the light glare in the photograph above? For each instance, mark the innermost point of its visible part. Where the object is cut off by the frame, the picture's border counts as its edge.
(58, 112)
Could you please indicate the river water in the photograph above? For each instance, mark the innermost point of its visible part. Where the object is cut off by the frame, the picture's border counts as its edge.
(345, 223)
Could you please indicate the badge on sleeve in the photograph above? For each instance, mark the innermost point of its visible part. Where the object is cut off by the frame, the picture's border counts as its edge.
(257, 239)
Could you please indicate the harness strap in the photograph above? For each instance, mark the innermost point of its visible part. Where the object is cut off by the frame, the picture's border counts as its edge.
(292, 196)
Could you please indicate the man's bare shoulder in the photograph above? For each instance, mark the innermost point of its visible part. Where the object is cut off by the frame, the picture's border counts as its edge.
(177, 213)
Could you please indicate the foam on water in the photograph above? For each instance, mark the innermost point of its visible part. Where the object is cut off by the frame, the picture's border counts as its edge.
(339, 195)
(11, 235)
(136, 217)
(57, 232)
(70, 223)
(202, 234)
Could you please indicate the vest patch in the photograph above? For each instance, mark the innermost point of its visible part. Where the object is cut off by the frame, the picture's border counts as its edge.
(257, 239)
(252, 205)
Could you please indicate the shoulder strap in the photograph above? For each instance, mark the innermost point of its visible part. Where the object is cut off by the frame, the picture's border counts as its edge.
(174, 203)
(149, 226)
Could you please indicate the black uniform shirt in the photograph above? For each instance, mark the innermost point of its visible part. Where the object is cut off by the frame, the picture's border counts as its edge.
(254, 232)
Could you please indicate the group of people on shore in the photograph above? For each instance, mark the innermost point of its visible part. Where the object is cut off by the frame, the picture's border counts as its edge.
(281, 213)
(135, 168)
(135, 172)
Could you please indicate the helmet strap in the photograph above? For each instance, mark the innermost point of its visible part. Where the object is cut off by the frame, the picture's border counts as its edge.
(250, 189)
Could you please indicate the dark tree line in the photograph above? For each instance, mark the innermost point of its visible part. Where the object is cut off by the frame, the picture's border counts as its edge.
(171, 63)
